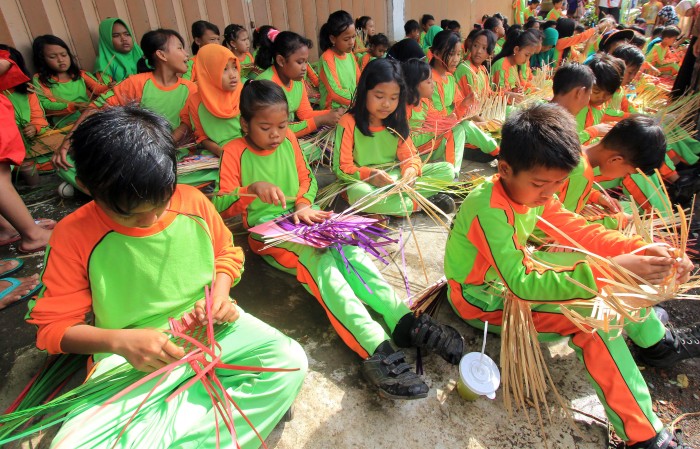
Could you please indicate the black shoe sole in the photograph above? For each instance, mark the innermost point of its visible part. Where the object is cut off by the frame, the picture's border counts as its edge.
(386, 395)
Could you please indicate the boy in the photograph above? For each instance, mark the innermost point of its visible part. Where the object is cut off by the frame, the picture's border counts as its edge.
(655, 38)
(486, 257)
(412, 30)
(531, 10)
(662, 56)
(425, 23)
(608, 72)
(519, 8)
(555, 13)
(169, 241)
(649, 12)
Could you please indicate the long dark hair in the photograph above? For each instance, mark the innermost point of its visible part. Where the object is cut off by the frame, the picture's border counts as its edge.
(258, 34)
(43, 70)
(517, 38)
(565, 28)
(381, 70)
(415, 72)
(443, 43)
(18, 59)
(285, 44)
(151, 42)
(337, 23)
(198, 29)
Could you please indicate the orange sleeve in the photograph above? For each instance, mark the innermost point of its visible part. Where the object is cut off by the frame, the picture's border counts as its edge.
(95, 87)
(37, 113)
(230, 200)
(128, 91)
(594, 197)
(312, 75)
(407, 155)
(567, 42)
(302, 169)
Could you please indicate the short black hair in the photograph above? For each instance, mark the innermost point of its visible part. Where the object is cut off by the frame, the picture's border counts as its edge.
(629, 54)
(533, 2)
(570, 76)
(259, 94)
(670, 31)
(198, 29)
(579, 28)
(415, 71)
(411, 26)
(378, 71)
(554, 2)
(637, 29)
(151, 42)
(378, 40)
(638, 41)
(444, 23)
(453, 25)
(426, 18)
(608, 71)
(125, 157)
(543, 135)
(640, 140)
(657, 31)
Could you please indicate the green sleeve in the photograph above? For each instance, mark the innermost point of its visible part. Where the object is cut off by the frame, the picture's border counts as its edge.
(47, 103)
(331, 79)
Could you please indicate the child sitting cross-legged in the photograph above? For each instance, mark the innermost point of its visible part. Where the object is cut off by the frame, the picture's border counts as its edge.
(170, 243)
(486, 258)
(265, 177)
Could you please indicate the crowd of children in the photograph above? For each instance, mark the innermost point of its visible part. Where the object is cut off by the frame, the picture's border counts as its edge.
(569, 126)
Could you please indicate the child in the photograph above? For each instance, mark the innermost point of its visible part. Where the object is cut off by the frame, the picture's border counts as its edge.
(454, 26)
(567, 39)
(429, 39)
(377, 45)
(427, 21)
(339, 71)
(655, 38)
(159, 88)
(486, 258)
(67, 89)
(591, 120)
(213, 109)
(364, 141)
(117, 54)
(285, 58)
(203, 33)
(519, 8)
(412, 30)
(364, 27)
(662, 56)
(125, 158)
(650, 11)
(634, 60)
(270, 165)
(555, 13)
(531, 10)
(506, 70)
(667, 16)
(471, 74)
(495, 25)
(237, 39)
(448, 100)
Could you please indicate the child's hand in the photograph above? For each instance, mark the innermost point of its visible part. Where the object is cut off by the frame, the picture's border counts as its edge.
(684, 267)
(147, 349)
(328, 119)
(305, 213)
(610, 203)
(29, 131)
(59, 158)
(223, 310)
(379, 178)
(653, 269)
(603, 128)
(268, 193)
(410, 175)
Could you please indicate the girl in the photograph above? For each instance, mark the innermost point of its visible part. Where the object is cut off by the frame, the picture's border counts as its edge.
(567, 39)
(203, 33)
(429, 38)
(285, 56)
(495, 25)
(448, 100)
(471, 74)
(237, 39)
(67, 89)
(159, 88)
(214, 110)
(377, 44)
(117, 55)
(364, 27)
(339, 71)
(258, 174)
(375, 133)
(507, 71)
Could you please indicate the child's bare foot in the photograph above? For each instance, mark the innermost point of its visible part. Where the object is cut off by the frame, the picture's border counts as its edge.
(36, 243)
(27, 284)
(8, 266)
(10, 235)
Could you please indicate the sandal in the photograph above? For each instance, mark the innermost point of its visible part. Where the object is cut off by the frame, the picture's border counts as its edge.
(14, 284)
(20, 263)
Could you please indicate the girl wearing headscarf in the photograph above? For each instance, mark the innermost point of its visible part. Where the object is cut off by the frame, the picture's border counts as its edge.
(118, 54)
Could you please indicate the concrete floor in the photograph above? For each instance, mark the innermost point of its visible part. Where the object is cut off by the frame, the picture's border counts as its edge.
(336, 407)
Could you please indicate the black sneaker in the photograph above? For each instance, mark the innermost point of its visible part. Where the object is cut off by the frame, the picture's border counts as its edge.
(444, 202)
(678, 344)
(663, 440)
(393, 376)
(441, 339)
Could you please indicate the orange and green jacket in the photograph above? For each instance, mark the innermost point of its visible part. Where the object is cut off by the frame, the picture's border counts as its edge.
(28, 110)
(131, 278)
(339, 78)
(472, 79)
(59, 97)
(447, 96)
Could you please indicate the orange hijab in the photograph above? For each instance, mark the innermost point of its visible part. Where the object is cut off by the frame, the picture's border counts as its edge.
(211, 61)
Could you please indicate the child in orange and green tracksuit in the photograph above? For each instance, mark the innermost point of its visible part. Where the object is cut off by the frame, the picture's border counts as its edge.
(486, 257)
(662, 56)
(520, 10)
(373, 148)
(555, 13)
(289, 74)
(507, 71)
(377, 45)
(339, 71)
(265, 177)
(171, 243)
(448, 100)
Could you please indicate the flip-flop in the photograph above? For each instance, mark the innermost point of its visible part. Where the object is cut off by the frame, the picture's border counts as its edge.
(34, 251)
(15, 238)
(20, 263)
(14, 284)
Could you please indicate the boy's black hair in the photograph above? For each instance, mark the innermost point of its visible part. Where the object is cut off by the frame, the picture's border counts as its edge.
(380, 70)
(406, 49)
(443, 43)
(554, 2)
(426, 18)
(657, 31)
(415, 72)
(548, 24)
(640, 140)
(492, 23)
(151, 42)
(42, 68)
(337, 23)
(670, 31)
(490, 40)
(531, 22)
(285, 44)
(259, 94)
(198, 29)
(125, 157)
(629, 54)
(231, 33)
(258, 34)
(517, 38)
(638, 41)
(18, 59)
(536, 2)
(640, 21)
(444, 23)
(411, 26)
(570, 76)
(608, 72)
(637, 29)
(453, 25)
(378, 40)
(540, 136)
(579, 28)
